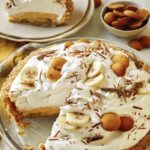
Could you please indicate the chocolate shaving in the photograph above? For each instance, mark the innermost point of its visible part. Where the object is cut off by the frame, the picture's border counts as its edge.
(139, 64)
(98, 115)
(78, 88)
(40, 77)
(27, 84)
(69, 101)
(123, 92)
(148, 118)
(102, 49)
(45, 54)
(96, 125)
(141, 128)
(8, 5)
(101, 55)
(73, 75)
(94, 138)
(70, 142)
(77, 52)
(53, 139)
(136, 107)
(51, 147)
(83, 142)
(57, 133)
(97, 94)
(88, 106)
(12, 1)
(128, 136)
(90, 130)
(133, 98)
(134, 139)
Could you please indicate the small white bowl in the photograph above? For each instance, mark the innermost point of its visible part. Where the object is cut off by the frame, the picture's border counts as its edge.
(122, 33)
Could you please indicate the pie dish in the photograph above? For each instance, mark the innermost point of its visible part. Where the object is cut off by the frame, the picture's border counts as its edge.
(47, 13)
(91, 83)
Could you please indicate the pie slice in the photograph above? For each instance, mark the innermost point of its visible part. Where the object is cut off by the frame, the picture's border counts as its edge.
(40, 13)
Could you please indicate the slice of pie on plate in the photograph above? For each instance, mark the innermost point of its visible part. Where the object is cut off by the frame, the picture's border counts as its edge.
(40, 13)
(102, 91)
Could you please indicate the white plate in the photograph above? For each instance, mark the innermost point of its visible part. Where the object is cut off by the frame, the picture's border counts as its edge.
(85, 20)
(35, 32)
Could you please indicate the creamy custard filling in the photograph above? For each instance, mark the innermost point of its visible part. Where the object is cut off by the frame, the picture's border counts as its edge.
(48, 6)
(88, 88)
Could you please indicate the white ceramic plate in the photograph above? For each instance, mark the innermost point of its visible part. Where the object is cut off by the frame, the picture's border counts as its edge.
(35, 32)
(78, 27)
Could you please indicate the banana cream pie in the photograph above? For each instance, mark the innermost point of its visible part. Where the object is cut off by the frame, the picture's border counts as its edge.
(101, 91)
(41, 13)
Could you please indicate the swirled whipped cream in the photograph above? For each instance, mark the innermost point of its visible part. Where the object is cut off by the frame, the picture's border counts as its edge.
(87, 89)
(54, 7)
(45, 92)
(90, 135)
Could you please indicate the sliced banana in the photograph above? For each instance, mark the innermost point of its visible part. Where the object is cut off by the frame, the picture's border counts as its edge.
(29, 75)
(95, 82)
(64, 124)
(77, 119)
(145, 89)
(95, 69)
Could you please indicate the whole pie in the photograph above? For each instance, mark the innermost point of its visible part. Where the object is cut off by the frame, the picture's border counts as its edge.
(41, 13)
(100, 91)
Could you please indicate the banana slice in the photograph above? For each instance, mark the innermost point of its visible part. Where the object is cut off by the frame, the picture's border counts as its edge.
(77, 119)
(65, 124)
(95, 69)
(29, 75)
(145, 89)
(95, 82)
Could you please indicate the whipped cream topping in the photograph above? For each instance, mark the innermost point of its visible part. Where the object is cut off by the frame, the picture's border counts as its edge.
(92, 136)
(46, 93)
(74, 95)
(54, 7)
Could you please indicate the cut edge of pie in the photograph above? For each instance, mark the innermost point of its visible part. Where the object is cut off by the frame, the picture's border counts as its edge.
(43, 18)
